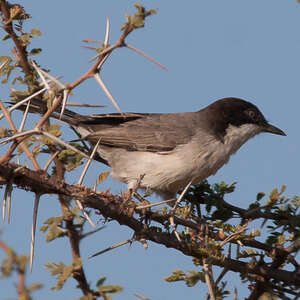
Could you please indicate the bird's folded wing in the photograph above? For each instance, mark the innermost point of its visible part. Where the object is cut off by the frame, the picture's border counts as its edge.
(142, 132)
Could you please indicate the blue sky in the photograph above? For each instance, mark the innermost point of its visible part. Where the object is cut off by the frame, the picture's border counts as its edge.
(212, 49)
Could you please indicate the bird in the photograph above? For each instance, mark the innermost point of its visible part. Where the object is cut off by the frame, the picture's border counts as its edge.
(164, 152)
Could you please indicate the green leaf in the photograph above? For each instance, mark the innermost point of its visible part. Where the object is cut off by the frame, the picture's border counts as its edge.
(35, 286)
(281, 239)
(63, 272)
(54, 129)
(54, 233)
(193, 277)
(35, 51)
(177, 275)
(4, 58)
(35, 32)
(259, 196)
(100, 281)
(283, 187)
(137, 20)
(112, 289)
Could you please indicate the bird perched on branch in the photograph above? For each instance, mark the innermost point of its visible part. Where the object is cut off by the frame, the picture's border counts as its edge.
(164, 152)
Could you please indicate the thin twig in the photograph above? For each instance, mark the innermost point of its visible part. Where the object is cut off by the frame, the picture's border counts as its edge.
(154, 204)
(146, 56)
(81, 179)
(83, 104)
(86, 215)
(113, 247)
(172, 212)
(56, 103)
(141, 297)
(106, 50)
(225, 270)
(171, 219)
(233, 235)
(208, 273)
(100, 56)
(91, 232)
(181, 196)
(33, 228)
(61, 85)
(6, 114)
(20, 46)
(50, 160)
(63, 143)
(22, 145)
(45, 133)
(20, 134)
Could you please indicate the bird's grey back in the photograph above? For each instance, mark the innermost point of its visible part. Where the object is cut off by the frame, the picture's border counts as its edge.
(148, 132)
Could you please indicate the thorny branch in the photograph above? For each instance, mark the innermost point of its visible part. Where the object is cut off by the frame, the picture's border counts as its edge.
(20, 267)
(20, 49)
(73, 235)
(21, 55)
(110, 207)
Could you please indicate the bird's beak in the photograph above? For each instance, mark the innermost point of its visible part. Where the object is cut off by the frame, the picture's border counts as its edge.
(272, 129)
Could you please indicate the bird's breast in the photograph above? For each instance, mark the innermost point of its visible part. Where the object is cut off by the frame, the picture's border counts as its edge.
(171, 171)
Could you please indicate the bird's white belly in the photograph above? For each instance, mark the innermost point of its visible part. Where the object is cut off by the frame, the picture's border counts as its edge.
(172, 171)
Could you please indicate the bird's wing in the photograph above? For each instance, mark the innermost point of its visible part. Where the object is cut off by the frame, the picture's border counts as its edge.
(142, 132)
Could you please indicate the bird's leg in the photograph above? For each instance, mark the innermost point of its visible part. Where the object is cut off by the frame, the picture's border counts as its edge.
(131, 191)
(132, 187)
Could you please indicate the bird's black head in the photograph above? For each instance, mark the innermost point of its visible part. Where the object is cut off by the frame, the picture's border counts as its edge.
(237, 112)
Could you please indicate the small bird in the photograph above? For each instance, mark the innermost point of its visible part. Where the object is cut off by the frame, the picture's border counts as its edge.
(164, 152)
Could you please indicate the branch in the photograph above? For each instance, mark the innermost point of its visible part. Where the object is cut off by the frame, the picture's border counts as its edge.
(21, 270)
(20, 47)
(110, 207)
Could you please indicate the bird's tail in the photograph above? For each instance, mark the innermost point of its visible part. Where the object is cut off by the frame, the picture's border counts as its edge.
(39, 106)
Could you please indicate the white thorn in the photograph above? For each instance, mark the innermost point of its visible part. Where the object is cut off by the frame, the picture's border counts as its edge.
(107, 92)
(23, 101)
(33, 228)
(88, 163)
(64, 102)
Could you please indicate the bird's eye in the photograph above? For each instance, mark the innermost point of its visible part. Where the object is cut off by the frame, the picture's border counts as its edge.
(251, 114)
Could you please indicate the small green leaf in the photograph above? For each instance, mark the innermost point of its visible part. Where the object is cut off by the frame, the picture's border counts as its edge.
(35, 286)
(35, 32)
(177, 275)
(283, 187)
(259, 196)
(100, 281)
(281, 239)
(35, 51)
(112, 289)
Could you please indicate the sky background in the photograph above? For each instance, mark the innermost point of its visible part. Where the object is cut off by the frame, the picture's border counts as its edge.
(212, 49)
